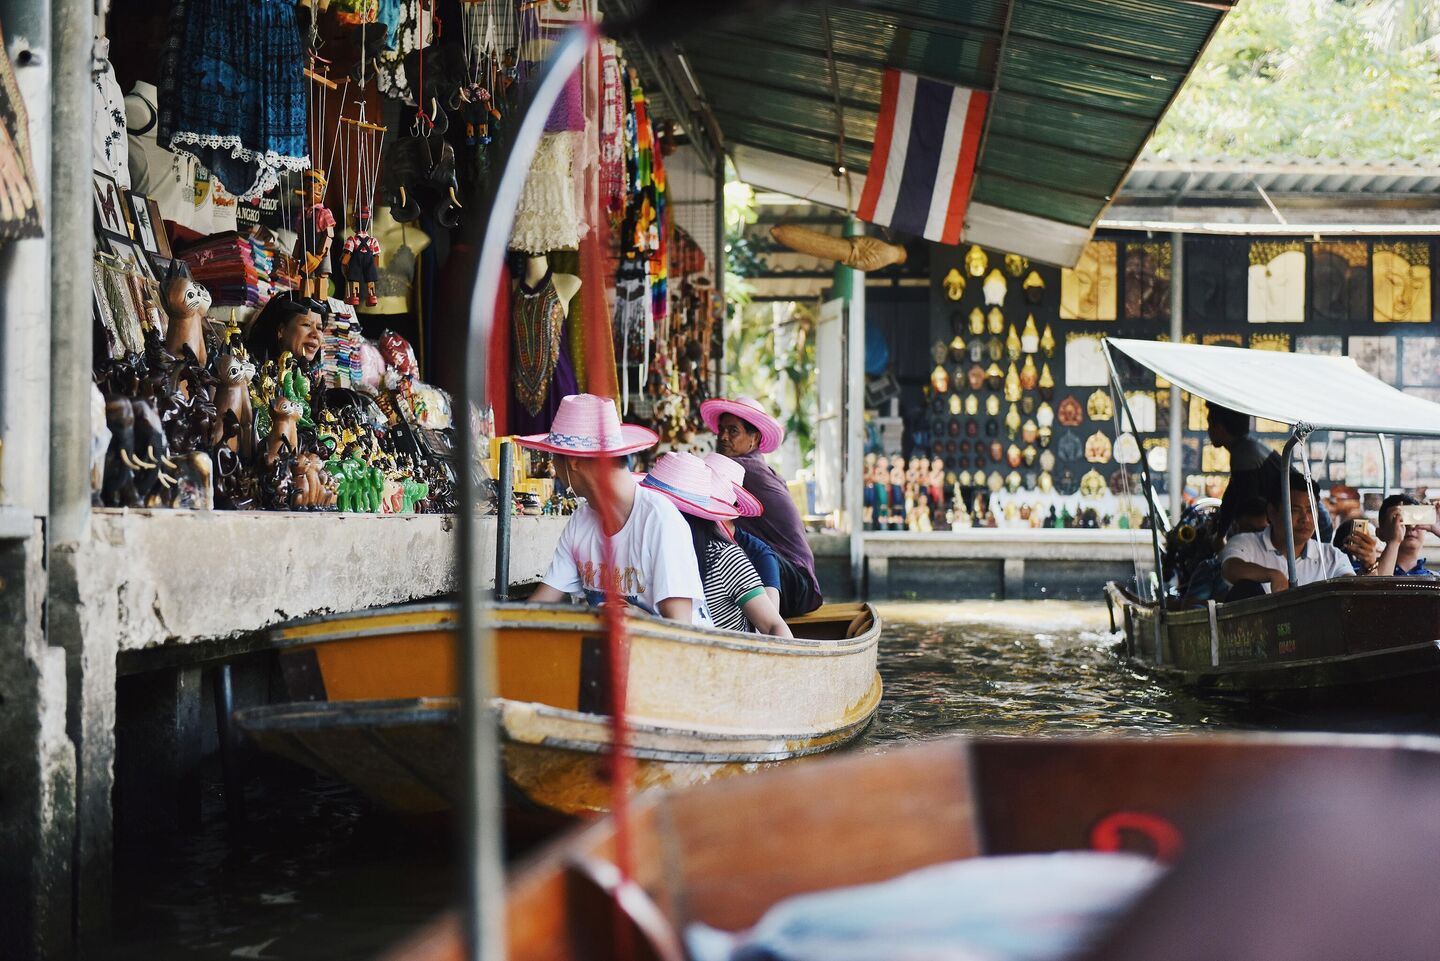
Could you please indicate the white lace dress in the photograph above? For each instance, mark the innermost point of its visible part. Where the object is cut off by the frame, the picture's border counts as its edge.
(546, 217)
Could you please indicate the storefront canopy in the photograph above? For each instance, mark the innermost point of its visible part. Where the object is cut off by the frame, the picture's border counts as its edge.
(1325, 392)
(1077, 88)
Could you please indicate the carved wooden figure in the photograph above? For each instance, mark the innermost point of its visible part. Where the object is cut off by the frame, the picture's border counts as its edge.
(185, 305)
(232, 396)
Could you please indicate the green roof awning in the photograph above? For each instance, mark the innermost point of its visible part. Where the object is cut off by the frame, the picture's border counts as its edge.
(1077, 88)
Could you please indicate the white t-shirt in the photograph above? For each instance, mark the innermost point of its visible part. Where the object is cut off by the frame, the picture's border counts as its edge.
(1317, 562)
(654, 551)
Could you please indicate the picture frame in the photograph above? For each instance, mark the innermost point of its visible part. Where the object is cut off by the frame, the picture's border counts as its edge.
(110, 208)
(148, 224)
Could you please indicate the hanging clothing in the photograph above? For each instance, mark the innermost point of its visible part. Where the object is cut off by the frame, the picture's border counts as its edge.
(232, 93)
(543, 371)
(176, 182)
(390, 77)
(546, 217)
(111, 150)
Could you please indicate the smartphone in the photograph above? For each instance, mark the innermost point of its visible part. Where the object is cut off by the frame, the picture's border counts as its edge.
(1417, 515)
(1361, 525)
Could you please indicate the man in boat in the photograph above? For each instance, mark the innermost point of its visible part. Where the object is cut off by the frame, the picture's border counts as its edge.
(654, 563)
(1255, 562)
(1254, 467)
(745, 432)
(1404, 542)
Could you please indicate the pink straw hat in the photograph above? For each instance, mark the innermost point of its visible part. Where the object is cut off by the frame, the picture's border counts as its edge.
(587, 425)
(730, 485)
(689, 484)
(749, 410)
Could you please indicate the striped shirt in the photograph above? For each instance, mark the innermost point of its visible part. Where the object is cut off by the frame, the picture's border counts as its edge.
(730, 584)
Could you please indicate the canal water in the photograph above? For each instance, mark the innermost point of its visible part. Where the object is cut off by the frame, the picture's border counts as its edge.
(318, 872)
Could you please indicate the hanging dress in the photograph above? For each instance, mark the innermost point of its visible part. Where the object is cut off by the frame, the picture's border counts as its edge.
(543, 372)
(546, 217)
(232, 93)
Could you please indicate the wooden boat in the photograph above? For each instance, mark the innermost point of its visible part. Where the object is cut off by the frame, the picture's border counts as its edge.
(1351, 635)
(374, 699)
(724, 853)
(1347, 637)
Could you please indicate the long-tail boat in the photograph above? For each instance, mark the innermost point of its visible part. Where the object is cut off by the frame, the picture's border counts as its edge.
(373, 699)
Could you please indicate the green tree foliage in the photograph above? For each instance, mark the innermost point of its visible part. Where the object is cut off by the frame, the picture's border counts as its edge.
(1355, 82)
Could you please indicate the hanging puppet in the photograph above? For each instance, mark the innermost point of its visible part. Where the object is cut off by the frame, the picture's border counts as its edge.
(315, 233)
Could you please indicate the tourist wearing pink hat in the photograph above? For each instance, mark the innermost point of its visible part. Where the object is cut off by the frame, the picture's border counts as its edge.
(734, 596)
(730, 479)
(745, 432)
(654, 554)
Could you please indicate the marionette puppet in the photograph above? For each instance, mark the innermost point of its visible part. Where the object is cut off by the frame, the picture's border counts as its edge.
(360, 262)
(315, 234)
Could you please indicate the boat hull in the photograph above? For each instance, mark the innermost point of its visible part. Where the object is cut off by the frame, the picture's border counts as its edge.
(1343, 637)
(375, 700)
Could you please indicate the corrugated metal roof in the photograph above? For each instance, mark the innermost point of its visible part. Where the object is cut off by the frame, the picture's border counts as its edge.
(1078, 85)
(1199, 178)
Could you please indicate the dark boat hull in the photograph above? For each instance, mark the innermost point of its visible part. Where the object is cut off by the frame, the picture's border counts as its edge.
(1347, 636)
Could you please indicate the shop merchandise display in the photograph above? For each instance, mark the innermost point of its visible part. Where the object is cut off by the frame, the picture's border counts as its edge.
(1087, 462)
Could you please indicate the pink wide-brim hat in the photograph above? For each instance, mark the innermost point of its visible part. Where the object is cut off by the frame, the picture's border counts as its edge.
(749, 410)
(730, 485)
(689, 484)
(587, 425)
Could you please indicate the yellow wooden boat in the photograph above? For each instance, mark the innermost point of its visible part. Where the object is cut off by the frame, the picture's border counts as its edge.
(374, 699)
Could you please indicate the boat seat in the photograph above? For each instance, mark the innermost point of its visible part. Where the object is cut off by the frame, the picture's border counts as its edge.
(598, 897)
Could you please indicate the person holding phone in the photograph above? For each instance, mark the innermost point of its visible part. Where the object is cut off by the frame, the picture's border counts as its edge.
(1404, 522)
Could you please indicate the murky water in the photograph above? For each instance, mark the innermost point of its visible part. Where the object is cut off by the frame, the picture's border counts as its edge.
(318, 872)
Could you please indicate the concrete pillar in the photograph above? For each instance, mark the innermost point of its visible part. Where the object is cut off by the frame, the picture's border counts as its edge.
(877, 578)
(37, 766)
(157, 776)
(1176, 462)
(850, 284)
(1013, 579)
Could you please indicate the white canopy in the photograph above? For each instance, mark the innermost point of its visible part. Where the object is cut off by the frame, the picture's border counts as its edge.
(1325, 392)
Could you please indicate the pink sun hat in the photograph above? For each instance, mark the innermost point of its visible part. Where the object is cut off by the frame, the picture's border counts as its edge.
(749, 410)
(690, 485)
(730, 485)
(587, 425)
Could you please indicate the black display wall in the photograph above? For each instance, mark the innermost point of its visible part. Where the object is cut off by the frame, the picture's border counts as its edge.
(1320, 297)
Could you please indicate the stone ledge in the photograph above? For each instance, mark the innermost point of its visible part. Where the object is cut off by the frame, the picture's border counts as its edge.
(180, 577)
(1022, 544)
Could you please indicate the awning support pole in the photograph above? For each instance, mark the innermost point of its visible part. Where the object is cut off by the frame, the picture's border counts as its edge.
(1176, 461)
(1285, 457)
(1145, 478)
(1384, 468)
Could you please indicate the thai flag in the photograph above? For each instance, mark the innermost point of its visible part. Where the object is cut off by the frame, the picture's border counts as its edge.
(924, 156)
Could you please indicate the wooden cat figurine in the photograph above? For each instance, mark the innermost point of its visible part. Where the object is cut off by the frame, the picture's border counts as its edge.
(185, 305)
(232, 395)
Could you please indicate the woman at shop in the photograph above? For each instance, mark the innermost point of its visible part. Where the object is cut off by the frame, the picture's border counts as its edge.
(285, 324)
(734, 596)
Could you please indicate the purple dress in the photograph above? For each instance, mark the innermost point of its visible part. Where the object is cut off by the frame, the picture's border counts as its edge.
(562, 381)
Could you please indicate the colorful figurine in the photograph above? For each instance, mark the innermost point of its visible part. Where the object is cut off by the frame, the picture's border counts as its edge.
(315, 232)
(359, 262)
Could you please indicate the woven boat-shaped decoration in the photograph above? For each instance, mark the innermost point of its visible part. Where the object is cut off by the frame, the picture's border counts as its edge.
(858, 253)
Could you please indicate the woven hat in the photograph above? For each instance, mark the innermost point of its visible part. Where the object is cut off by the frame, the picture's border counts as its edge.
(589, 426)
(730, 485)
(751, 412)
(689, 484)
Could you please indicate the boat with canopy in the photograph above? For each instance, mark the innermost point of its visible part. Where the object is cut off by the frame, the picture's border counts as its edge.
(1339, 636)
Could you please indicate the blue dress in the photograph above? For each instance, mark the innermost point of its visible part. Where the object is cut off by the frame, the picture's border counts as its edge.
(232, 90)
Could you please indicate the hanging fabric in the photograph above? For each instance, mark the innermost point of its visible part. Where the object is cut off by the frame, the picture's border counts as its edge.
(232, 93)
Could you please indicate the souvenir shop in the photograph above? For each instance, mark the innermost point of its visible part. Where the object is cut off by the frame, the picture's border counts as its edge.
(1005, 412)
(287, 203)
